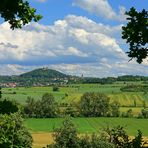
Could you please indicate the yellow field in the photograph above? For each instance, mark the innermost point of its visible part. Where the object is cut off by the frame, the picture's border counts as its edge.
(41, 139)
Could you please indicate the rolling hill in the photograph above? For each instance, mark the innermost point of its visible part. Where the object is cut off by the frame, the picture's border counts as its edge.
(43, 73)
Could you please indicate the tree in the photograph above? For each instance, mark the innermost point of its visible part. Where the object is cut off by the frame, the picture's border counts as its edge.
(119, 137)
(66, 136)
(94, 104)
(18, 13)
(0, 92)
(115, 106)
(8, 107)
(30, 107)
(136, 34)
(144, 113)
(44, 108)
(48, 105)
(13, 133)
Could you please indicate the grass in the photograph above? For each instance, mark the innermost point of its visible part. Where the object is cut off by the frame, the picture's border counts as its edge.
(89, 125)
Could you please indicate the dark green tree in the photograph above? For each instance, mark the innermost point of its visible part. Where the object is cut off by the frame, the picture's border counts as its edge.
(13, 134)
(8, 107)
(136, 34)
(30, 107)
(48, 105)
(18, 13)
(66, 136)
(44, 108)
(119, 137)
(94, 104)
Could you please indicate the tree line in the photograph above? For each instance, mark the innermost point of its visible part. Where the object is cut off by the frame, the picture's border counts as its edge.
(91, 104)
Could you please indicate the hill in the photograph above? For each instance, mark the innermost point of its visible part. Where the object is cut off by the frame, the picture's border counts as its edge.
(45, 77)
(37, 77)
(43, 73)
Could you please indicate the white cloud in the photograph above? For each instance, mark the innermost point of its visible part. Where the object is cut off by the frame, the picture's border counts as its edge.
(101, 8)
(74, 45)
(42, 1)
(75, 51)
(101, 69)
(64, 38)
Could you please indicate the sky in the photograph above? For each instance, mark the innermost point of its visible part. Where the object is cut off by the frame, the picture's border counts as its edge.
(74, 37)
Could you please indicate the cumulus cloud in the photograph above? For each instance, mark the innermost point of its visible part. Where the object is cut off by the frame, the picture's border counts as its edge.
(42, 1)
(74, 45)
(101, 69)
(8, 45)
(101, 8)
(79, 38)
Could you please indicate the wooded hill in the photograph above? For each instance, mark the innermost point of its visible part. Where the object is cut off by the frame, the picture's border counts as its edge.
(45, 76)
(43, 73)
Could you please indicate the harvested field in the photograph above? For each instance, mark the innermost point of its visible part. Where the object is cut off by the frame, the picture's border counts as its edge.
(41, 139)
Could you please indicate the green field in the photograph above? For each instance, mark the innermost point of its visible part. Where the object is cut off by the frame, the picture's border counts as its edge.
(71, 94)
(89, 125)
(75, 91)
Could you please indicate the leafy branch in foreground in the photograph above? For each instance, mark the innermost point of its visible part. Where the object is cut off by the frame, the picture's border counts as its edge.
(136, 34)
(18, 13)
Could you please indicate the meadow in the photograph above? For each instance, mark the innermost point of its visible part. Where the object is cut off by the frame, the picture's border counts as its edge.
(41, 129)
(89, 125)
(72, 93)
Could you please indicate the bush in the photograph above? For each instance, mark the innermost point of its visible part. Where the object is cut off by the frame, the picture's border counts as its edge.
(144, 113)
(14, 92)
(55, 88)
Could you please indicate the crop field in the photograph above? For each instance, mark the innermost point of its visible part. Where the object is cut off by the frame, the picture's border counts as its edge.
(42, 129)
(72, 93)
(89, 125)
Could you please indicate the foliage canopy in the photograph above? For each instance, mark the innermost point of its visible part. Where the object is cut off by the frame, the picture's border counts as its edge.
(18, 13)
(13, 133)
(94, 104)
(136, 34)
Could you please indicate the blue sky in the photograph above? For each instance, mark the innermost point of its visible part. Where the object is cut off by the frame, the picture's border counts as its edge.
(74, 36)
(53, 10)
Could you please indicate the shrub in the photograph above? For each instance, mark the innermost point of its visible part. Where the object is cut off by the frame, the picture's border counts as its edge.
(144, 113)
(55, 88)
